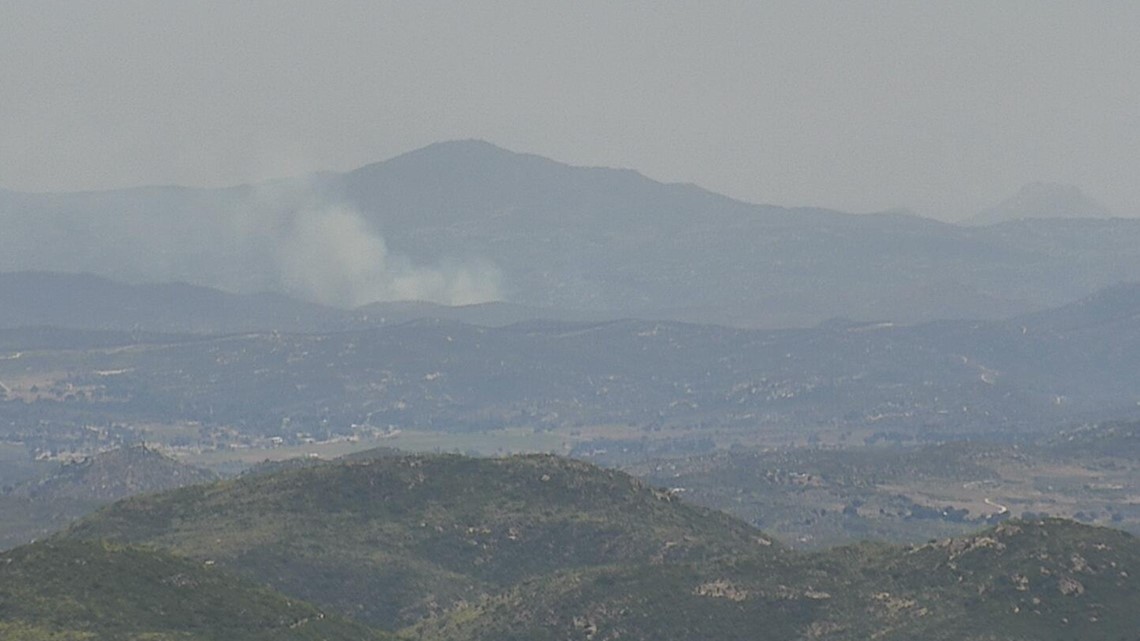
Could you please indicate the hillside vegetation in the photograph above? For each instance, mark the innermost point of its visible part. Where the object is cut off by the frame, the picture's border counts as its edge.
(1019, 581)
(390, 540)
(448, 548)
(37, 507)
(115, 474)
(80, 591)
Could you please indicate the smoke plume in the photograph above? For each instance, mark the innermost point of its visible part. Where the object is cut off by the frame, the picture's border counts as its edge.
(292, 236)
(330, 256)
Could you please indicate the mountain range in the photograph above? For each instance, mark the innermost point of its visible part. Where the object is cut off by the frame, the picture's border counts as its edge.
(466, 222)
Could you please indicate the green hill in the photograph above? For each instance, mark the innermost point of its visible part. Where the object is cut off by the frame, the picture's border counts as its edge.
(450, 548)
(23, 520)
(79, 591)
(391, 540)
(115, 474)
(1019, 581)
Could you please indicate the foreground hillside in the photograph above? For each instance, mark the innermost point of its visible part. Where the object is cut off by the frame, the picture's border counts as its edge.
(448, 548)
(78, 591)
(1019, 581)
(391, 540)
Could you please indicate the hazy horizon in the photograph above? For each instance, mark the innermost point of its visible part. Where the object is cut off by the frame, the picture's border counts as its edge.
(1068, 189)
(942, 110)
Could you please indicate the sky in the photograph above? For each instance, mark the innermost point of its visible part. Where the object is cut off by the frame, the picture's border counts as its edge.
(940, 108)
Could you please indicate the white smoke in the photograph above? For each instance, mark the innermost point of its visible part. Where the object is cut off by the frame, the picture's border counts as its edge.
(289, 236)
(331, 256)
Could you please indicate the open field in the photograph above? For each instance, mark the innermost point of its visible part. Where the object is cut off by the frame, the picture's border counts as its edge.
(818, 497)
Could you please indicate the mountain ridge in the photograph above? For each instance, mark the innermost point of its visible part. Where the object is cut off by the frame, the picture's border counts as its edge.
(563, 237)
(88, 301)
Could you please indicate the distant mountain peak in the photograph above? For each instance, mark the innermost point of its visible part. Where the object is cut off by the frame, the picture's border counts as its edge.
(470, 145)
(463, 148)
(466, 153)
(1044, 200)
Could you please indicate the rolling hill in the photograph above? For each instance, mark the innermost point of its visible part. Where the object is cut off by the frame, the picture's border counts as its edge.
(78, 591)
(112, 475)
(392, 540)
(37, 507)
(1019, 581)
(450, 548)
(940, 380)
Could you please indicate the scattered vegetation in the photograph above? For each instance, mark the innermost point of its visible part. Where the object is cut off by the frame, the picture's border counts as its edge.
(75, 590)
(1041, 581)
(449, 548)
(391, 540)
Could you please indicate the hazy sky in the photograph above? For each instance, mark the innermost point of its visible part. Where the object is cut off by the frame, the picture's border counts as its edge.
(940, 107)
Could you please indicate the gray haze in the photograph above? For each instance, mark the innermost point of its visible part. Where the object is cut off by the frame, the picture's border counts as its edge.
(946, 109)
